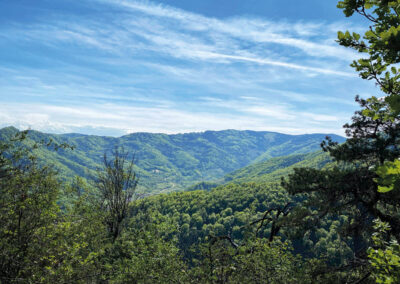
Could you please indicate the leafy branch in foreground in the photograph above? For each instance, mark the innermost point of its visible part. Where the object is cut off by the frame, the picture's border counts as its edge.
(380, 44)
(380, 47)
(384, 255)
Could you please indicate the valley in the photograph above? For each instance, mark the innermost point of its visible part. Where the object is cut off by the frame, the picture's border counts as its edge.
(166, 163)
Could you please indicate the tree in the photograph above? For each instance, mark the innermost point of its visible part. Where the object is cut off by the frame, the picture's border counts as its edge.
(381, 46)
(76, 239)
(38, 242)
(252, 260)
(28, 212)
(369, 155)
(117, 184)
(349, 188)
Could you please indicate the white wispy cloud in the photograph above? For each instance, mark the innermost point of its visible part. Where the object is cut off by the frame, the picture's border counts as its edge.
(153, 67)
(194, 37)
(251, 29)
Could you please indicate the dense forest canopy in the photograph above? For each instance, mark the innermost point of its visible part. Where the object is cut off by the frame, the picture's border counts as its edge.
(333, 217)
(167, 163)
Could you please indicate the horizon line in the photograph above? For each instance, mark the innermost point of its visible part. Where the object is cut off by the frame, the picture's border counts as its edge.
(170, 134)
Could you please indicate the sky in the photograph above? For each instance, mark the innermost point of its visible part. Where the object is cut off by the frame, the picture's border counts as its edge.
(113, 67)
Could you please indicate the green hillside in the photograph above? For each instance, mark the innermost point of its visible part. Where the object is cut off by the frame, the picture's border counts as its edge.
(273, 169)
(172, 162)
(227, 210)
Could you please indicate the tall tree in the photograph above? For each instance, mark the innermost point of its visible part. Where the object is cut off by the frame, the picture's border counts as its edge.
(117, 184)
(369, 155)
(37, 242)
(28, 212)
(380, 47)
(350, 186)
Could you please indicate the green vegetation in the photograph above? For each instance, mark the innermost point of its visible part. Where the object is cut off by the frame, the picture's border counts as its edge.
(384, 255)
(233, 233)
(43, 243)
(270, 171)
(275, 168)
(364, 183)
(96, 237)
(170, 162)
(333, 218)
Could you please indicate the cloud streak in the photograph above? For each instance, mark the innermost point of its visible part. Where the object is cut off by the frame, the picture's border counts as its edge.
(142, 66)
(191, 36)
(250, 29)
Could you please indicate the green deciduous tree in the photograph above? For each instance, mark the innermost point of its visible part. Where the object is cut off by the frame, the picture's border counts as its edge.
(253, 260)
(38, 241)
(28, 214)
(78, 239)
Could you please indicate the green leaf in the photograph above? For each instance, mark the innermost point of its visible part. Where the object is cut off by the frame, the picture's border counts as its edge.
(384, 189)
(394, 102)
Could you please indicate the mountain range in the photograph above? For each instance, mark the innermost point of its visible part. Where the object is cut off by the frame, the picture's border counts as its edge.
(171, 162)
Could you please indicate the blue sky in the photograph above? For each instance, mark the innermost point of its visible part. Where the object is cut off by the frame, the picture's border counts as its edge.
(113, 67)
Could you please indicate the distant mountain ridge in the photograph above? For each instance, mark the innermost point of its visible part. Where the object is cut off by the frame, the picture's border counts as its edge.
(168, 162)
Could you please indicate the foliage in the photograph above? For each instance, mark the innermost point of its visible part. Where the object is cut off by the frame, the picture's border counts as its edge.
(169, 162)
(369, 155)
(37, 243)
(255, 261)
(204, 185)
(166, 238)
(27, 210)
(380, 45)
(42, 242)
(389, 176)
(385, 255)
(349, 188)
(317, 231)
(273, 169)
(117, 184)
(238, 210)
(192, 216)
(140, 257)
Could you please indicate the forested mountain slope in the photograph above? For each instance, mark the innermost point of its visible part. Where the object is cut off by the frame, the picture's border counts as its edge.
(172, 162)
(270, 171)
(230, 210)
(273, 169)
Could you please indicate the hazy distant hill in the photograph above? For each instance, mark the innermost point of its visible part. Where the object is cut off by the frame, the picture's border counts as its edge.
(174, 162)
